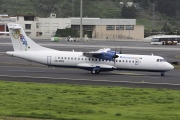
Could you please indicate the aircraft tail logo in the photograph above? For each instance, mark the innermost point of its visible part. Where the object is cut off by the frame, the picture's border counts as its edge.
(21, 39)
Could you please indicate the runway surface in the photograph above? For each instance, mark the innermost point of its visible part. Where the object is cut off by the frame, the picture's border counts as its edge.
(15, 69)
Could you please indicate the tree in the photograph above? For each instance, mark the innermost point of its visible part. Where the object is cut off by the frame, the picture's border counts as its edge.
(128, 12)
(168, 7)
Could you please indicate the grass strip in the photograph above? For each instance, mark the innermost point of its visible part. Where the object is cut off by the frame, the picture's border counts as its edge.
(80, 102)
(178, 56)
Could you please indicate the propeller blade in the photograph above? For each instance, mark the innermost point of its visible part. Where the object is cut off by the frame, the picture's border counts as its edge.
(115, 56)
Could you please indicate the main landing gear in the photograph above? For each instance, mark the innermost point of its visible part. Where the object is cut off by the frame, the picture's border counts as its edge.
(95, 71)
(162, 73)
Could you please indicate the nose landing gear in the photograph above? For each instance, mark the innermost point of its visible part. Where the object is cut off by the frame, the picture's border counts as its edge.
(162, 73)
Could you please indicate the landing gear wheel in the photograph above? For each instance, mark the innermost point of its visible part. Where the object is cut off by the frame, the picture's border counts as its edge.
(95, 71)
(162, 74)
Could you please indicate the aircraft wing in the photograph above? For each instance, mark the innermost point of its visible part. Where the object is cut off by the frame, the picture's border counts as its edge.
(105, 54)
(96, 53)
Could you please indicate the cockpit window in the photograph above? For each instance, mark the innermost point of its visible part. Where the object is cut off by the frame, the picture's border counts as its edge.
(164, 60)
(161, 60)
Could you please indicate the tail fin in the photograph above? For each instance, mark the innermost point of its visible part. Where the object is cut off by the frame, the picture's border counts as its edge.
(20, 41)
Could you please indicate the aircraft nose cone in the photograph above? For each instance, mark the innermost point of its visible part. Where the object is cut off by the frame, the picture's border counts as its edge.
(171, 67)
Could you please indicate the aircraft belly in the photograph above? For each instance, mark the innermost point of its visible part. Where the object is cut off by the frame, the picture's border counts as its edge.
(90, 66)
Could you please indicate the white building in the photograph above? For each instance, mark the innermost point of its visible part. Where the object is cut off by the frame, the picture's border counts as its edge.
(94, 27)
(43, 27)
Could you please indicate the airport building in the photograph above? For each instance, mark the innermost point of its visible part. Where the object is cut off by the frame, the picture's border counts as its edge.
(96, 28)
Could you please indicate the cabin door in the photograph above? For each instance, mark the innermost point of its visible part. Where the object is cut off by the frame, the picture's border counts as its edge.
(49, 60)
(137, 62)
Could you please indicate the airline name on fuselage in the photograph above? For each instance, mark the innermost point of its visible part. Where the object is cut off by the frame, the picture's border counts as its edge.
(129, 57)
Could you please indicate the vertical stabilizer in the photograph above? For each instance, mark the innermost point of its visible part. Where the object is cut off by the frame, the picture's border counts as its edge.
(20, 41)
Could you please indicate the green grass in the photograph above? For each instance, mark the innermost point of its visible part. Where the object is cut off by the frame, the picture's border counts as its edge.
(78, 102)
(178, 56)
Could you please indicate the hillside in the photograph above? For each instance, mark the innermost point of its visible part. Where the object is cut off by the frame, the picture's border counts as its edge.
(166, 13)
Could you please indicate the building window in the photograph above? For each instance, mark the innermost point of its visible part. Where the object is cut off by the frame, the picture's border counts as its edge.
(40, 25)
(28, 18)
(76, 27)
(55, 25)
(37, 25)
(46, 25)
(28, 26)
(119, 27)
(110, 27)
(88, 27)
(129, 27)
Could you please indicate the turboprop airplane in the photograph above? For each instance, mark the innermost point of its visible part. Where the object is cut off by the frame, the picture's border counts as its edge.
(94, 61)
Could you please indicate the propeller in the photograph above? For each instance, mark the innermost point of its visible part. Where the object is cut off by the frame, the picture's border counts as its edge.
(115, 56)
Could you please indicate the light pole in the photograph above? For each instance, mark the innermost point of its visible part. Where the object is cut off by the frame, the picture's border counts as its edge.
(115, 25)
(101, 29)
(119, 28)
(129, 27)
(81, 32)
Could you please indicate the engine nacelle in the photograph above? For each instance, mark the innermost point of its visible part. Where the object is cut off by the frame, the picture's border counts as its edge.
(109, 55)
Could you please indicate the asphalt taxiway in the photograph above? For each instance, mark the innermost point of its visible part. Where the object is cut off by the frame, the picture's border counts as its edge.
(15, 69)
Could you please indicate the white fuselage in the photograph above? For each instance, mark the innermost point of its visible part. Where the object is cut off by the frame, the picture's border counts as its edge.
(76, 59)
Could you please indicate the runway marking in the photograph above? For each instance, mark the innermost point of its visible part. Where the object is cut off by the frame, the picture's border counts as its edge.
(15, 70)
(5, 43)
(25, 71)
(41, 67)
(142, 82)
